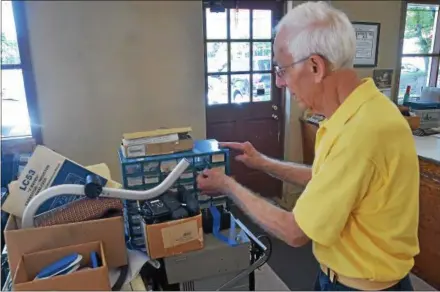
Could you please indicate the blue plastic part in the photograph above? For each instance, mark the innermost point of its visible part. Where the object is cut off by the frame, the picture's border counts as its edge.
(94, 259)
(58, 266)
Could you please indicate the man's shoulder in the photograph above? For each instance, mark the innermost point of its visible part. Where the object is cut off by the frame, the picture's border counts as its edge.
(378, 126)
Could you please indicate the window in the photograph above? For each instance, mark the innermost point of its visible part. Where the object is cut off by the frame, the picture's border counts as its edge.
(421, 49)
(15, 118)
(238, 55)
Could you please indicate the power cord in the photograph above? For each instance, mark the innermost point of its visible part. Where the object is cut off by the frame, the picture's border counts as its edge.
(269, 248)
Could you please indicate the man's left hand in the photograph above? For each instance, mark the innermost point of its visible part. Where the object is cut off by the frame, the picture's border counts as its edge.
(213, 181)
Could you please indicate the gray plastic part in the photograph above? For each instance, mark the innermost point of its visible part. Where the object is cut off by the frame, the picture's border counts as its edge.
(216, 258)
(213, 283)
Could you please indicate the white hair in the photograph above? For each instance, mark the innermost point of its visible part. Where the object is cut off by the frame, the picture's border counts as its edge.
(318, 28)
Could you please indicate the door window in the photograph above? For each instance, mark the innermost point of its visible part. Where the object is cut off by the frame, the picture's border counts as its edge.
(238, 56)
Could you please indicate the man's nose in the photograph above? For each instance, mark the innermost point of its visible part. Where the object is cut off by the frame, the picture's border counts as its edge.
(280, 82)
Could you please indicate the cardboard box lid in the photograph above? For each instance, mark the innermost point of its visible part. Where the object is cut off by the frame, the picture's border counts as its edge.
(156, 133)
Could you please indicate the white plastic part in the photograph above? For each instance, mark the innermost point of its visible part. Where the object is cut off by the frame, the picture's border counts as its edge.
(38, 200)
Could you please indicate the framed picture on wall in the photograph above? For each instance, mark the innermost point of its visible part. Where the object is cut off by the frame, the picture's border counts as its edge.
(367, 43)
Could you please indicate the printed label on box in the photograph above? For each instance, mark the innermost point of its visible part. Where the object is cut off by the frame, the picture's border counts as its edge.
(179, 234)
(136, 150)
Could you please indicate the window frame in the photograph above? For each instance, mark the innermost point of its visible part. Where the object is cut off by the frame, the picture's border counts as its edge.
(435, 55)
(21, 28)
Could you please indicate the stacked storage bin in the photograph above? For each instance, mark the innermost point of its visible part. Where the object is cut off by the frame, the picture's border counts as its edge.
(147, 172)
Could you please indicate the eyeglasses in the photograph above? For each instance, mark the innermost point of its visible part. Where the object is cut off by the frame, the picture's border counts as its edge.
(281, 70)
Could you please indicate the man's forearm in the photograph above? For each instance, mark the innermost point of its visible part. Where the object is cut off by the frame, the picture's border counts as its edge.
(270, 218)
(289, 172)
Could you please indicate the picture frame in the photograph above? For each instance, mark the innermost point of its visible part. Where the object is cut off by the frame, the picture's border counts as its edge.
(367, 43)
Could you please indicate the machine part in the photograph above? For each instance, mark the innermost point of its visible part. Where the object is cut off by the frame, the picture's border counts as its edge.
(212, 283)
(259, 256)
(207, 219)
(215, 259)
(38, 200)
(189, 199)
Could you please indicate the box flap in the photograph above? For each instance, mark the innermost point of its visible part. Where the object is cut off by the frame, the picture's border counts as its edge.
(156, 133)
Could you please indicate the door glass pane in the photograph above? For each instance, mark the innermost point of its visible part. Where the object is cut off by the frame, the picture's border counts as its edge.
(240, 23)
(262, 24)
(262, 84)
(420, 28)
(217, 89)
(262, 56)
(217, 57)
(240, 88)
(215, 25)
(15, 117)
(10, 54)
(414, 72)
(240, 60)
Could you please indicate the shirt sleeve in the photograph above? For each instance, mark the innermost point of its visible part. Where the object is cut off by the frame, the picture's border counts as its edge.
(329, 198)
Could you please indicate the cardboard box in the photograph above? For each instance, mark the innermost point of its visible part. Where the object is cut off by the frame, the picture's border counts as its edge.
(44, 169)
(110, 231)
(157, 142)
(94, 279)
(174, 237)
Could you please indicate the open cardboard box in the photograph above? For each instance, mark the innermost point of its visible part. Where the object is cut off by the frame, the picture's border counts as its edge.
(174, 237)
(96, 279)
(23, 241)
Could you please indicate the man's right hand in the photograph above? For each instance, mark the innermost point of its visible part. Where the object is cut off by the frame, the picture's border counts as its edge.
(249, 155)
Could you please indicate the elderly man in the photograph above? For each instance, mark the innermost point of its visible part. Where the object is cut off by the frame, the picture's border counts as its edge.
(360, 203)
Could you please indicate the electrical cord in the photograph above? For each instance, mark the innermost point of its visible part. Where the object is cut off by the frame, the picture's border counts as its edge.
(269, 248)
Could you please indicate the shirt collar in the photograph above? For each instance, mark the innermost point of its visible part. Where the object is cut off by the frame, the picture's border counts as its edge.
(351, 104)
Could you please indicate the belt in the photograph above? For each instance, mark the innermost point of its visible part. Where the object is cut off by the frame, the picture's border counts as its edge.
(356, 283)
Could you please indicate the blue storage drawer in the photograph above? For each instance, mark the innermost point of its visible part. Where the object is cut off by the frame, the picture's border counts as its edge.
(147, 172)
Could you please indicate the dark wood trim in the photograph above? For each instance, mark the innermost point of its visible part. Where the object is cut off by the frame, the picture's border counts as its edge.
(420, 55)
(21, 26)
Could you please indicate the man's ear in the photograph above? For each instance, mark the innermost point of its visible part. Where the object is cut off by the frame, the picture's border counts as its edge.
(318, 67)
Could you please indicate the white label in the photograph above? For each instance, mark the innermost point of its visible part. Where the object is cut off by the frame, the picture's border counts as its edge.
(151, 180)
(134, 181)
(218, 158)
(136, 150)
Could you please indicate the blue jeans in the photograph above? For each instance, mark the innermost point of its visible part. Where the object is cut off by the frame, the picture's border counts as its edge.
(323, 283)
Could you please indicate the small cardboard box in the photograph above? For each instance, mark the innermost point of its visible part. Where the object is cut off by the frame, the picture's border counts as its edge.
(94, 279)
(110, 231)
(157, 142)
(174, 237)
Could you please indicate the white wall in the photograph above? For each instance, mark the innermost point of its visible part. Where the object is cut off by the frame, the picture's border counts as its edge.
(104, 68)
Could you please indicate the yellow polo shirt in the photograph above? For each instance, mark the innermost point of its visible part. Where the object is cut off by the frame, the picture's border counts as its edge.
(361, 207)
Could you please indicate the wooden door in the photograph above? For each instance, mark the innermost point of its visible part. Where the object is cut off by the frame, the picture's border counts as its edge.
(243, 103)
